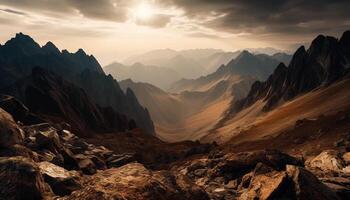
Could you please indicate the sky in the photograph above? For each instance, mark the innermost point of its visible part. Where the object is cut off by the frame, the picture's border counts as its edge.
(112, 30)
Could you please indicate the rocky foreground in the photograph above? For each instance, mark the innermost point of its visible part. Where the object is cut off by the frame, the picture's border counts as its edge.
(45, 161)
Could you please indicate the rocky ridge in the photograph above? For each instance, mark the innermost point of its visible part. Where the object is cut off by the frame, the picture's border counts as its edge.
(21, 54)
(326, 61)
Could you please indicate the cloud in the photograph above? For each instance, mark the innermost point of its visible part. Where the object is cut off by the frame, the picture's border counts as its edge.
(265, 20)
(204, 35)
(7, 10)
(156, 21)
(288, 17)
(113, 10)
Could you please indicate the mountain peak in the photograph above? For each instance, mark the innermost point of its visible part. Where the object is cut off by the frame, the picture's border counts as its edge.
(300, 50)
(20, 35)
(81, 52)
(345, 39)
(24, 44)
(65, 51)
(280, 68)
(244, 55)
(23, 38)
(51, 48)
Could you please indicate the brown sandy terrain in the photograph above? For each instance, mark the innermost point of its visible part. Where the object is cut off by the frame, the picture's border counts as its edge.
(257, 125)
(323, 110)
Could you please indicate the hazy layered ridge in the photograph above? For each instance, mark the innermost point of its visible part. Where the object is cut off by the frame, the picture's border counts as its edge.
(187, 63)
(201, 103)
(158, 76)
(258, 66)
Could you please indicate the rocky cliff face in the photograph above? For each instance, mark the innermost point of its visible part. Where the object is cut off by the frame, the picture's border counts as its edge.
(106, 92)
(21, 54)
(326, 61)
(49, 96)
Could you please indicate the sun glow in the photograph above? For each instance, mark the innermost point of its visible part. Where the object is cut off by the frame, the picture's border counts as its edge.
(144, 11)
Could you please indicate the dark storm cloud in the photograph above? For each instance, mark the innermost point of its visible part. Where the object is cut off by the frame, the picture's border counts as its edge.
(109, 10)
(114, 10)
(270, 16)
(261, 18)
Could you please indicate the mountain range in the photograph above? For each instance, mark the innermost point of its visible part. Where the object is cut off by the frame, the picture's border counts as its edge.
(20, 55)
(193, 107)
(261, 127)
(258, 66)
(314, 83)
(187, 63)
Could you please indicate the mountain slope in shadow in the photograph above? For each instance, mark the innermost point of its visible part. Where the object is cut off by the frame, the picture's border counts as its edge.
(21, 54)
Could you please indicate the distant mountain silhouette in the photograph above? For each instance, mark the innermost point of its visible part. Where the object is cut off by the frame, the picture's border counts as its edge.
(246, 64)
(158, 76)
(191, 63)
(21, 54)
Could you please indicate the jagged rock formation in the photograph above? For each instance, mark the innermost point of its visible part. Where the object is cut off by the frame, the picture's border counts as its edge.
(106, 92)
(326, 61)
(21, 54)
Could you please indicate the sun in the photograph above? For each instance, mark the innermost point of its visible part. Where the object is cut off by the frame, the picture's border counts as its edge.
(144, 11)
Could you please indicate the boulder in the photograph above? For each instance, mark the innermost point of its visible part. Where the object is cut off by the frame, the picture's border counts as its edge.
(69, 160)
(86, 165)
(328, 160)
(20, 178)
(346, 158)
(18, 111)
(307, 186)
(235, 165)
(62, 182)
(48, 139)
(10, 133)
(272, 185)
(19, 150)
(341, 190)
(120, 160)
